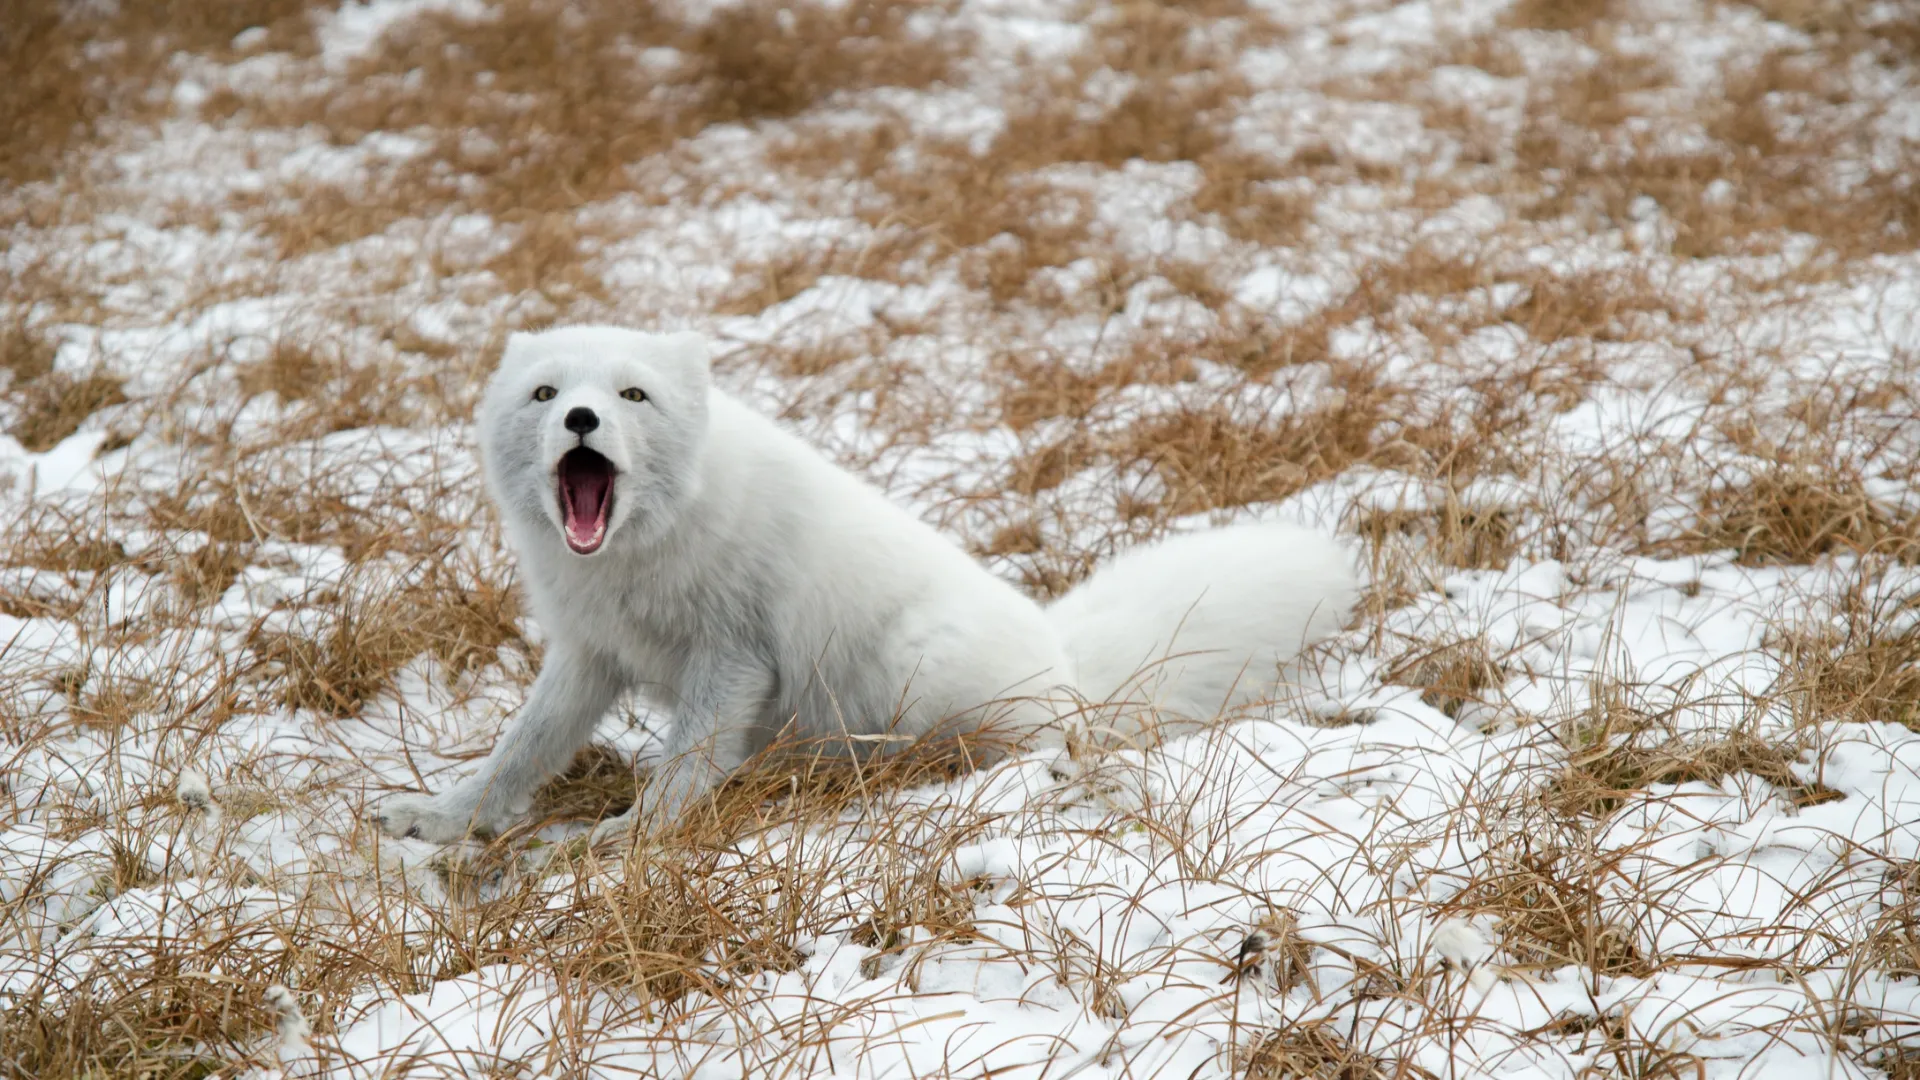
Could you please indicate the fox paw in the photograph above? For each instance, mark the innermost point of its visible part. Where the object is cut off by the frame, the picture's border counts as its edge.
(613, 830)
(425, 817)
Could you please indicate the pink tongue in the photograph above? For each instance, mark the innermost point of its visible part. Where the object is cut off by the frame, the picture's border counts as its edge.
(586, 501)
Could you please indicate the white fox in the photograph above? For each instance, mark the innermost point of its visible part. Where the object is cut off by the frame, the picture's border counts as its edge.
(673, 541)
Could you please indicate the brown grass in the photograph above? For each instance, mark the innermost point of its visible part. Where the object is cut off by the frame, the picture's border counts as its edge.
(1550, 892)
(1309, 1049)
(1560, 15)
(54, 406)
(599, 784)
(375, 629)
(1449, 676)
(205, 575)
(25, 351)
(53, 539)
(1796, 513)
(1618, 750)
(73, 70)
(540, 108)
(1892, 944)
(1208, 460)
(1777, 124)
(1889, 35)
(1863, 665)
(156, 1023)
(1454, 534)
(993, 211)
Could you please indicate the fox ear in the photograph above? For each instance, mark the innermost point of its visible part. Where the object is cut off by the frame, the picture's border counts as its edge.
(518, 342)
(688, 353)
(689, 349)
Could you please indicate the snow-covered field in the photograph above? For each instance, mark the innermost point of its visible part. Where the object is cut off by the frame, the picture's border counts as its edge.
(1593, 325)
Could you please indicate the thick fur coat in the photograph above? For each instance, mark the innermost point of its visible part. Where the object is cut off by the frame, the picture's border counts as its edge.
(674, 542)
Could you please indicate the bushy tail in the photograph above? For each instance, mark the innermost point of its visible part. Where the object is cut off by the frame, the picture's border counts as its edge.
(1203, 622)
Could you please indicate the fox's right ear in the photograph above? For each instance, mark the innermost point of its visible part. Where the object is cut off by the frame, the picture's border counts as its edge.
(518, 344)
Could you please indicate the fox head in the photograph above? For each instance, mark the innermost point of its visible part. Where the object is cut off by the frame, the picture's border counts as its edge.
(593, 435)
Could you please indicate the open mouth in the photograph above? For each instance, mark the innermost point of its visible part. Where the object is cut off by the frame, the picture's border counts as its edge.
(586, 498)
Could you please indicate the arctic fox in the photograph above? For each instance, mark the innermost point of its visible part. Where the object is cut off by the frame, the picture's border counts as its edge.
(674, 542)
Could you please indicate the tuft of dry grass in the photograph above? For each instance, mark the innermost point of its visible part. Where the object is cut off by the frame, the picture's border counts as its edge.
(1863, 665)
(375, 628)
(599, 784)
(1209, 459)
(53, 539)
(1449, 676)
(54, 406)
(1252, 199)
(1308, 1049)
(1618, 750)
(666, 931)
(25, 351)
(1453, 534)
(337, 671)
(1559, 15)
(206, 574)
(1550, 889)
(1796, 513)
(157, 1024)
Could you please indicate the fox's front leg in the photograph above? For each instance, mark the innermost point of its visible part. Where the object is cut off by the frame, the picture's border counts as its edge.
(716, 728)
(573, 691)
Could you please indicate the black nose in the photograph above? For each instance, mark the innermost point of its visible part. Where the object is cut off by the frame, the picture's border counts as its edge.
(581, 420)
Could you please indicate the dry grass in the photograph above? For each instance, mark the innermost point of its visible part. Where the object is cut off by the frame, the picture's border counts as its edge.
(1861, 665)
(1455, 535)
(1619, 748)
(53, 406)
(1777, 123)
(25, 352)
(1560, 15)
(158, 1024)
(1551, 897)
(1450, 676)
(1308, 1050)
(539, 108)
(1795, 514)
(375, 627)
(74, 70)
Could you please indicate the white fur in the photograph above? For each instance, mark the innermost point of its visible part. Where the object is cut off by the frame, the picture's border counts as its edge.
(748, 585)
(1205, 623)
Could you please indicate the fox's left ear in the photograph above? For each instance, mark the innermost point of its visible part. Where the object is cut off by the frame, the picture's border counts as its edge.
(688, 353)
(689, 347)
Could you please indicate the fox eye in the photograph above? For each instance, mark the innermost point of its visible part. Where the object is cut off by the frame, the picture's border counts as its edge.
(634, 393)
(544, 393)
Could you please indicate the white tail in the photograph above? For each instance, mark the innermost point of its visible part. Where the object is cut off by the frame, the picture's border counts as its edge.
(1204, 622)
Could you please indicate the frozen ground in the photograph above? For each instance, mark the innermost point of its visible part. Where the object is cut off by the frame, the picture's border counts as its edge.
(1594, 327)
